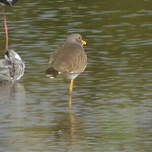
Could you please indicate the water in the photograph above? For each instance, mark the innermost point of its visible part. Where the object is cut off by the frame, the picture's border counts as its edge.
(111, 109)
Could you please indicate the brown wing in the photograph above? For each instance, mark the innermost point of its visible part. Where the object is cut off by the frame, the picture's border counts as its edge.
(69, 58)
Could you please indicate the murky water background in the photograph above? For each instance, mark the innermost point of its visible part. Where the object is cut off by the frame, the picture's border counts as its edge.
(112, 99)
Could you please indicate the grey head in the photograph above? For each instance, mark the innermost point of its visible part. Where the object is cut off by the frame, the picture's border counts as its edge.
(76, 39)
(15, 64)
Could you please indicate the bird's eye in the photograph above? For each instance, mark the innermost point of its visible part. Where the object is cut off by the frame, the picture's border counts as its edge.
(79, 38)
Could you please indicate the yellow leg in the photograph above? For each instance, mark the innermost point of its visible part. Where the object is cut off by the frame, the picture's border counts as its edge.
(71, 87)
(70, 93)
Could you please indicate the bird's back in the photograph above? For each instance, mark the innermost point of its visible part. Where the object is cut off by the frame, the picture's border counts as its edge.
(69, 58)
(12, 67)
(4, 71)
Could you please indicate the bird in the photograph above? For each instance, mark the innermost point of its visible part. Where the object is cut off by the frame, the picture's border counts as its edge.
(69, 60)
(3, 3)
(8, 2)
(11, 67)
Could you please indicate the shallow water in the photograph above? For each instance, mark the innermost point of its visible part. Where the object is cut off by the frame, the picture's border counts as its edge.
(112, 106)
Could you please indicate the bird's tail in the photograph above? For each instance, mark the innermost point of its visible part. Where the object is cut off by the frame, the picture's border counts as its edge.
(51, 72)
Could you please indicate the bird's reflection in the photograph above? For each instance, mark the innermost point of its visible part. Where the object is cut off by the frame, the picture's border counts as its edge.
(72, 121)
(13, 98)
(51, 129)
(11, 92)
(60, 129)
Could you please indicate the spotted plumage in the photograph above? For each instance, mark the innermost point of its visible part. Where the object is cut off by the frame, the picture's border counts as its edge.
(11, 67)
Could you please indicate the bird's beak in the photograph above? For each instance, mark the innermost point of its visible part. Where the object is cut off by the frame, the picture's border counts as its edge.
(84, 42)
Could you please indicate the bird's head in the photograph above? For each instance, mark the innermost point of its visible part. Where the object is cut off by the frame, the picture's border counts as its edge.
(76, 38)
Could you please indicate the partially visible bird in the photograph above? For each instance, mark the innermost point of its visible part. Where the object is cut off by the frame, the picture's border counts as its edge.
(8, 2)
(3, 3)
(69, 60)
(11, 67)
